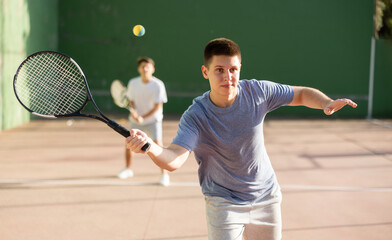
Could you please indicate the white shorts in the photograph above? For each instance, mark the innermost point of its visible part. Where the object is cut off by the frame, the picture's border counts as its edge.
(230, 221)
(153, 130)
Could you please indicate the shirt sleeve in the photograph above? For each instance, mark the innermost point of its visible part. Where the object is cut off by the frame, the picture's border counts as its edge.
(187, 133)
(276, 94)
(161, 96)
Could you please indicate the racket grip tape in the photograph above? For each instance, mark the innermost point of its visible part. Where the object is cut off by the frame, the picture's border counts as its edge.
(118, 128)
(123, 131)
(146, 147)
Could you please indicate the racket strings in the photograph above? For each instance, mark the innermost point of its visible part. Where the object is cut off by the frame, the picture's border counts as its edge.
(51, 84)
(66, 71)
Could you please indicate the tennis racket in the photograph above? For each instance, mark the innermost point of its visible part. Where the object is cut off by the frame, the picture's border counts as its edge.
(119, 94)
(52, 85)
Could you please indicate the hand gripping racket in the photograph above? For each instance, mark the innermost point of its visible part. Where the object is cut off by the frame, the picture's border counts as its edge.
(52, 85)
(119, 94)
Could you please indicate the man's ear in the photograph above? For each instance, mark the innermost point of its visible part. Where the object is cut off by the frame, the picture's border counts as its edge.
(204, 71)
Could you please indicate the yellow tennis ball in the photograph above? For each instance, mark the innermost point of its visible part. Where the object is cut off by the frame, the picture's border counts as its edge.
(139, 30)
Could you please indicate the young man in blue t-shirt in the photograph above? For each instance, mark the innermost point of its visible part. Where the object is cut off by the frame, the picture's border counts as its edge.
(224, 129)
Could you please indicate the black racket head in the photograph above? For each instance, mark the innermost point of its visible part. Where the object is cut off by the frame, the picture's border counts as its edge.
(50, 84)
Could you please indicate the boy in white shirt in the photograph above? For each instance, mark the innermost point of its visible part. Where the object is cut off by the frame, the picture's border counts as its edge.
(146, 95)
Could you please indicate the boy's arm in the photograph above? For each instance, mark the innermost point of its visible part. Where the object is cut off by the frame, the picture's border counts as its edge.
(139, 118)
(156, 107)
(170, 158)
(133, 113)
(313, 98)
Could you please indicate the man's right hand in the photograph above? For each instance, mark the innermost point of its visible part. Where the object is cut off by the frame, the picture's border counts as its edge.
(137, 140)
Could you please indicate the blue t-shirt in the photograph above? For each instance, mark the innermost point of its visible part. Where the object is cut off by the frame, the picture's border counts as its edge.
(228, 143)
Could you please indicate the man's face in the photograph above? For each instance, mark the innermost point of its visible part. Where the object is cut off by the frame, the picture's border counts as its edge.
(223, 74)
(146, 69)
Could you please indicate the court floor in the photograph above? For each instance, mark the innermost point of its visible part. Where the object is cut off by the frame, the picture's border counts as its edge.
(58, 181)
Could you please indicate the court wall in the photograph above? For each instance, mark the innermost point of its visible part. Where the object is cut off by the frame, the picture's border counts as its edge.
(26, 26)
(323, 44)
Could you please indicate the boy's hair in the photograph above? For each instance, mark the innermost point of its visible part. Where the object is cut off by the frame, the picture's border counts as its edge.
(220, 46)
(146, 60)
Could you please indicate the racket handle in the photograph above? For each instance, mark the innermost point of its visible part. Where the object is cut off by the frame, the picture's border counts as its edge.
(123, 131)
(118, 128)
(146, 147)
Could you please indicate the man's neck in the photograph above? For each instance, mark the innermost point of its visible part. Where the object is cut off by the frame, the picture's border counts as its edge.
(222, 101)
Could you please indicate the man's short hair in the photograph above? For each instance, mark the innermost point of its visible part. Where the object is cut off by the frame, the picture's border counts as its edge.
(146, 60)
(220, 46)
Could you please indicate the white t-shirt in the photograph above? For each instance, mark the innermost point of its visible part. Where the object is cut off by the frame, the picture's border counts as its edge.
(145, 96)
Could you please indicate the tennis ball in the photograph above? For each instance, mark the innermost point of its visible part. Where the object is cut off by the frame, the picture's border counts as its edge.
(139, 30)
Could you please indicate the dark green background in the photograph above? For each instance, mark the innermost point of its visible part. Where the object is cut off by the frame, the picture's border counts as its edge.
(322, 44)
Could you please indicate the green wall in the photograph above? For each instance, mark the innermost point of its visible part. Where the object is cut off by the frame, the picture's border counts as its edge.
(323, 44)
(26, 26)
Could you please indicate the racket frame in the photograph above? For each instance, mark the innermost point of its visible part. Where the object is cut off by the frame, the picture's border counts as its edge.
(89, 98)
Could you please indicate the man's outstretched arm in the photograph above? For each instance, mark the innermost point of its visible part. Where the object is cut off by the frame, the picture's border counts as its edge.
(313, 98)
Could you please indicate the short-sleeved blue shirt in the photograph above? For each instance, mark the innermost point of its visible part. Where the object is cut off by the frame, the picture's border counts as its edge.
(228, 143)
